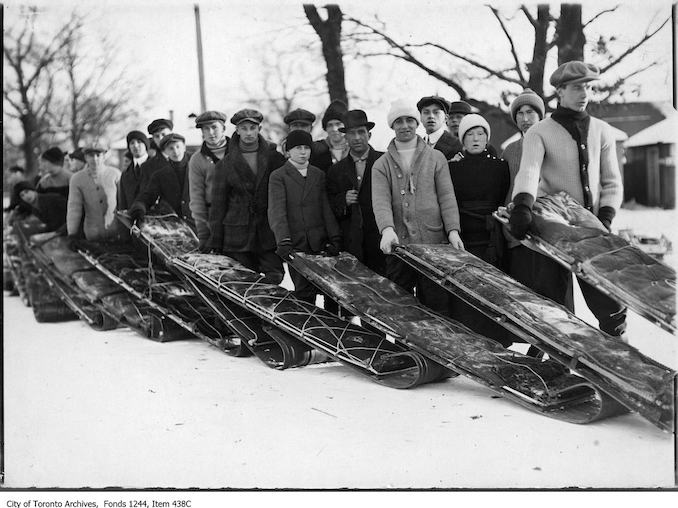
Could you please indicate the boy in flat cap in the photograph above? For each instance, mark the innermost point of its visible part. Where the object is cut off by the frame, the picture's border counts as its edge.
(169, 183)
(434, 114)
(299, 212)
(130, 180)
(56, 177)
(414, 202)
(238, 216)
(333, 148)
(201, 167)
(457, 111)
(299, 119)
(158, 129)
(572, 152)
(92, 198)
(349, 189)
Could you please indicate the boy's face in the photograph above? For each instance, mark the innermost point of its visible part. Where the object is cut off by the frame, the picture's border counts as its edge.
(95, 159)
(159, 134)
(433, 118)
(28, 196)
(137, 148)
(212, 132)
(76, 165)
(405, 128)
(299, 154)
(333, 132)
(175, 151)
(248, 131)
(475, 140)
(574, 95)
(526, 117)
(453, 122)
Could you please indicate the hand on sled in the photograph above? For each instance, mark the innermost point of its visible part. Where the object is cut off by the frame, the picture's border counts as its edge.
(72, 242)
(455, 240)
(332, 248)
(521, 215)
(284, 248)
(136, 213)
(389, 238)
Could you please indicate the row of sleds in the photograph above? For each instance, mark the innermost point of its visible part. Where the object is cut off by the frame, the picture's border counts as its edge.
(160, 285)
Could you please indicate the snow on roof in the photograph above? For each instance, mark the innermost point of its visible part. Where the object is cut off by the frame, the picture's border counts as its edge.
(661, 132)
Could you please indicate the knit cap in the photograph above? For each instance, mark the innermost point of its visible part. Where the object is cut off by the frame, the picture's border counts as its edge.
(54, 155)
(400, 108)
(335, 111)
(471, 121)
(139, 136)
(527, 98)
(298, 138)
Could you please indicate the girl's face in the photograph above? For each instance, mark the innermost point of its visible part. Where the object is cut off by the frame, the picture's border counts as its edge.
(299, 154)
(475, 140)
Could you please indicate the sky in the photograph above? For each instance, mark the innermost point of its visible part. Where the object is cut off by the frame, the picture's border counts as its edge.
(156, 41)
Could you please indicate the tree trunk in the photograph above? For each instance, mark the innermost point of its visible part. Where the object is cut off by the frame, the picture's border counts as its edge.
(330, 36)
(30, 144)
(570, 34)
(536, 67)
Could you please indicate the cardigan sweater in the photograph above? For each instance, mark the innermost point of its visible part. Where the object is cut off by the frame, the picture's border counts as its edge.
(91, 199)
(550, 164)
(512, 154)
(420, 207)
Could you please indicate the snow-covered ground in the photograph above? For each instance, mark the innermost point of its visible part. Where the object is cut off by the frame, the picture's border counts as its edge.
(99, 409)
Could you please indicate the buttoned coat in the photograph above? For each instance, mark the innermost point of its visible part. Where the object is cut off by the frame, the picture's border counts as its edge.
(299, 210)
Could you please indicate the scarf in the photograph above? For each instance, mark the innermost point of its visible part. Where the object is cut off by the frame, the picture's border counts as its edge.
(302, 168)
(209, 154)
(576, 123)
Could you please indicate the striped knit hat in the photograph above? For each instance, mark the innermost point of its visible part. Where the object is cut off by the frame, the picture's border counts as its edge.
(527, 98)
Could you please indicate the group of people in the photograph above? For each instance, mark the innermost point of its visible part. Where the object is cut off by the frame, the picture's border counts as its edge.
(249, 200)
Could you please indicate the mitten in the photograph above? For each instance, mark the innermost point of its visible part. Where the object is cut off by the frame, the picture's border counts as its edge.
(521, 215)
(605, 215)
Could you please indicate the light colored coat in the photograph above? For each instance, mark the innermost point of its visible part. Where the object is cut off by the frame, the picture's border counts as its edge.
(96, 201)
(550, 164)
(200, 183)
(423, 210)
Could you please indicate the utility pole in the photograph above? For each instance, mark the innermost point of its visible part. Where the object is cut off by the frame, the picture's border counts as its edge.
(201, 72)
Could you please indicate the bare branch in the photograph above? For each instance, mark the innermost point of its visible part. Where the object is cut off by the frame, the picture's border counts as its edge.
(646, 37)
(601, 13)
(529, 16)
(518, 66)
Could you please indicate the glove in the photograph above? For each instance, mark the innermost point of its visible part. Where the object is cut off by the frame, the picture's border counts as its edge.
(605, 215)
(284, 248)
(205, 248)
(521, 215)
(136, 213)
(72, 242)
(332, 248)
(389, 238)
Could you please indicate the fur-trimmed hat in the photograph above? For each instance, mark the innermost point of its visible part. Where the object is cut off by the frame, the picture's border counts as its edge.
(469, 122)
(298, 138)
(139, 136)
(574, 71)
(527, 98)
(400, 108)
(335, 111)
(158, 124)
(54, 155)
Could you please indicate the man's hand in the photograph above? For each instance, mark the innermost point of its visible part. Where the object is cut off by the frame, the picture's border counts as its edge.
(388, 240)
(136, 213)
(455, 240)
(457, 157)
(284, 248)
(333, 248)
(521, 215)
(605, 215)
(351, 197)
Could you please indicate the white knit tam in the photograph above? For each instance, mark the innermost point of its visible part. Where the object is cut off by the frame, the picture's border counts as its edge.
(400, 108)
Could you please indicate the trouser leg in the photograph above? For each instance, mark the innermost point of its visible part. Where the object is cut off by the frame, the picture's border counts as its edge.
(542, 275)
(611, 315)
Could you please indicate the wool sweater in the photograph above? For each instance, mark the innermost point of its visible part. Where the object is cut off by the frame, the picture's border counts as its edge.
(93, 200)
(512, 154)
(422, 206)
(550, 164)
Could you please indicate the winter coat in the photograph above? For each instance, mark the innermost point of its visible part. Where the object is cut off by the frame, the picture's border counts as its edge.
(322, 157)
(93, 200)
(298, 209)
(449, 145)
(50, 208)
(201, 168)
(58, 185)
(422, 208)
(238, 218)
(358, 226)
(129, 186)
(481, 184)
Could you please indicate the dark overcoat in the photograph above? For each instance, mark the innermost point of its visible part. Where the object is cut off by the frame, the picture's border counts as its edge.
(238, 215)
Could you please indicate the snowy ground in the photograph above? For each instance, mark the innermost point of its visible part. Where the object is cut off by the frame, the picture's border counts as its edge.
(100, 409)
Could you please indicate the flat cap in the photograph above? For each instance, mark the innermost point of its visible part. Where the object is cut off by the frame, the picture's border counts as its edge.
(158, 124)
(94, 147)
(249, 115)
(574, 72)
(209, 116)
(299, 115)
(77, 154)
(433, 99)
(462, 107)
(171, 138)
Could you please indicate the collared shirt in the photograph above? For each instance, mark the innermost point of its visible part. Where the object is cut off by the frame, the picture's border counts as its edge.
(138, 162)
(360, 163)
(433, 138)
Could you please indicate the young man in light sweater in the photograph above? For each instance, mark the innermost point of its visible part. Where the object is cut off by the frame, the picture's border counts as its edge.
(201, 168)
(414, 202)
(575, 153)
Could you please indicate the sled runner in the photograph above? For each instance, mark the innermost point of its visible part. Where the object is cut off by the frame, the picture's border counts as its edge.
(545, 387)
(574, 237)
(369, 353)
(636, 381)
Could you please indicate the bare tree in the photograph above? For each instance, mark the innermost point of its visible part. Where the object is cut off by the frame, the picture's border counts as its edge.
(29, 89)
(329, 32)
